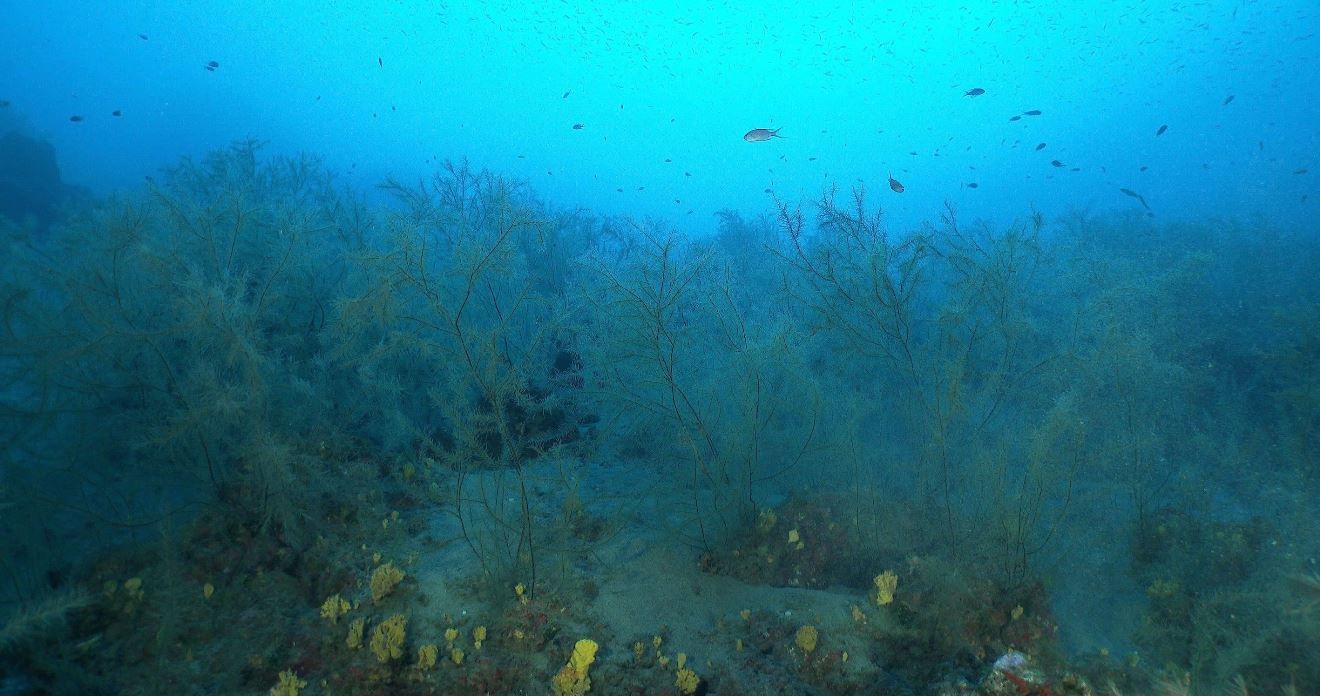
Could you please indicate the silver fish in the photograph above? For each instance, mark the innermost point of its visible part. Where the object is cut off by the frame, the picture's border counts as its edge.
(759, 135)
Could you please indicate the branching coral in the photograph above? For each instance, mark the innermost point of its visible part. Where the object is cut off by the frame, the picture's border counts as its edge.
(38, 618)
(1307, 589)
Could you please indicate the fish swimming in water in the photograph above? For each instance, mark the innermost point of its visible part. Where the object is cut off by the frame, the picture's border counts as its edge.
(760, 135)
(1033, 112)
(1138, 196)
(1228, 100)
(1160, 132)
(894, 184)
(577, 126)
(974, 92)
(1040, 147)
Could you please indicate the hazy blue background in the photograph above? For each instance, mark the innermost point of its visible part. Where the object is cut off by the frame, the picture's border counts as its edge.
(858, 90)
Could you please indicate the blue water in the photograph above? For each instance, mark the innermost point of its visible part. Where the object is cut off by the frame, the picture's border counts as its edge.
(860, 92)
(1088, 432)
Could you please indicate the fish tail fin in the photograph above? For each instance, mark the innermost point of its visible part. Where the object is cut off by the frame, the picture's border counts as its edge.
(775, 133)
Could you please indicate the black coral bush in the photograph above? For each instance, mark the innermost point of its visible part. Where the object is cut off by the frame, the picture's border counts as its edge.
(182, 326)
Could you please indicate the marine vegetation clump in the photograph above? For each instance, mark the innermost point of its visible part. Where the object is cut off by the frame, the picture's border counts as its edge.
(397, 447)
(944, 337)
(691, 377)
(173, 335)
(1212, 605)
(163, 351)
(452, 334)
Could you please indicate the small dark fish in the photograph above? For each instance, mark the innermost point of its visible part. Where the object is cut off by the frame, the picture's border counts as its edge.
(687, 173)
(668, 160)
(577, 126)
(760, 135)
(1144, 167)
(768, 191)
(566, 94)
(142, 36)
(974, 92)
(894, 184)
(1015, 118)
(972, 185)
(1056, 163)
(4, 104)
(619, 190)
(1300, 171)
(1075, 169)
(1160, 132)
(116, 113)
(1040, 147)
(1138, 196)
(1227, 101)
(212, 65)
(76, 118)
(380, 61)
(1033, 112)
